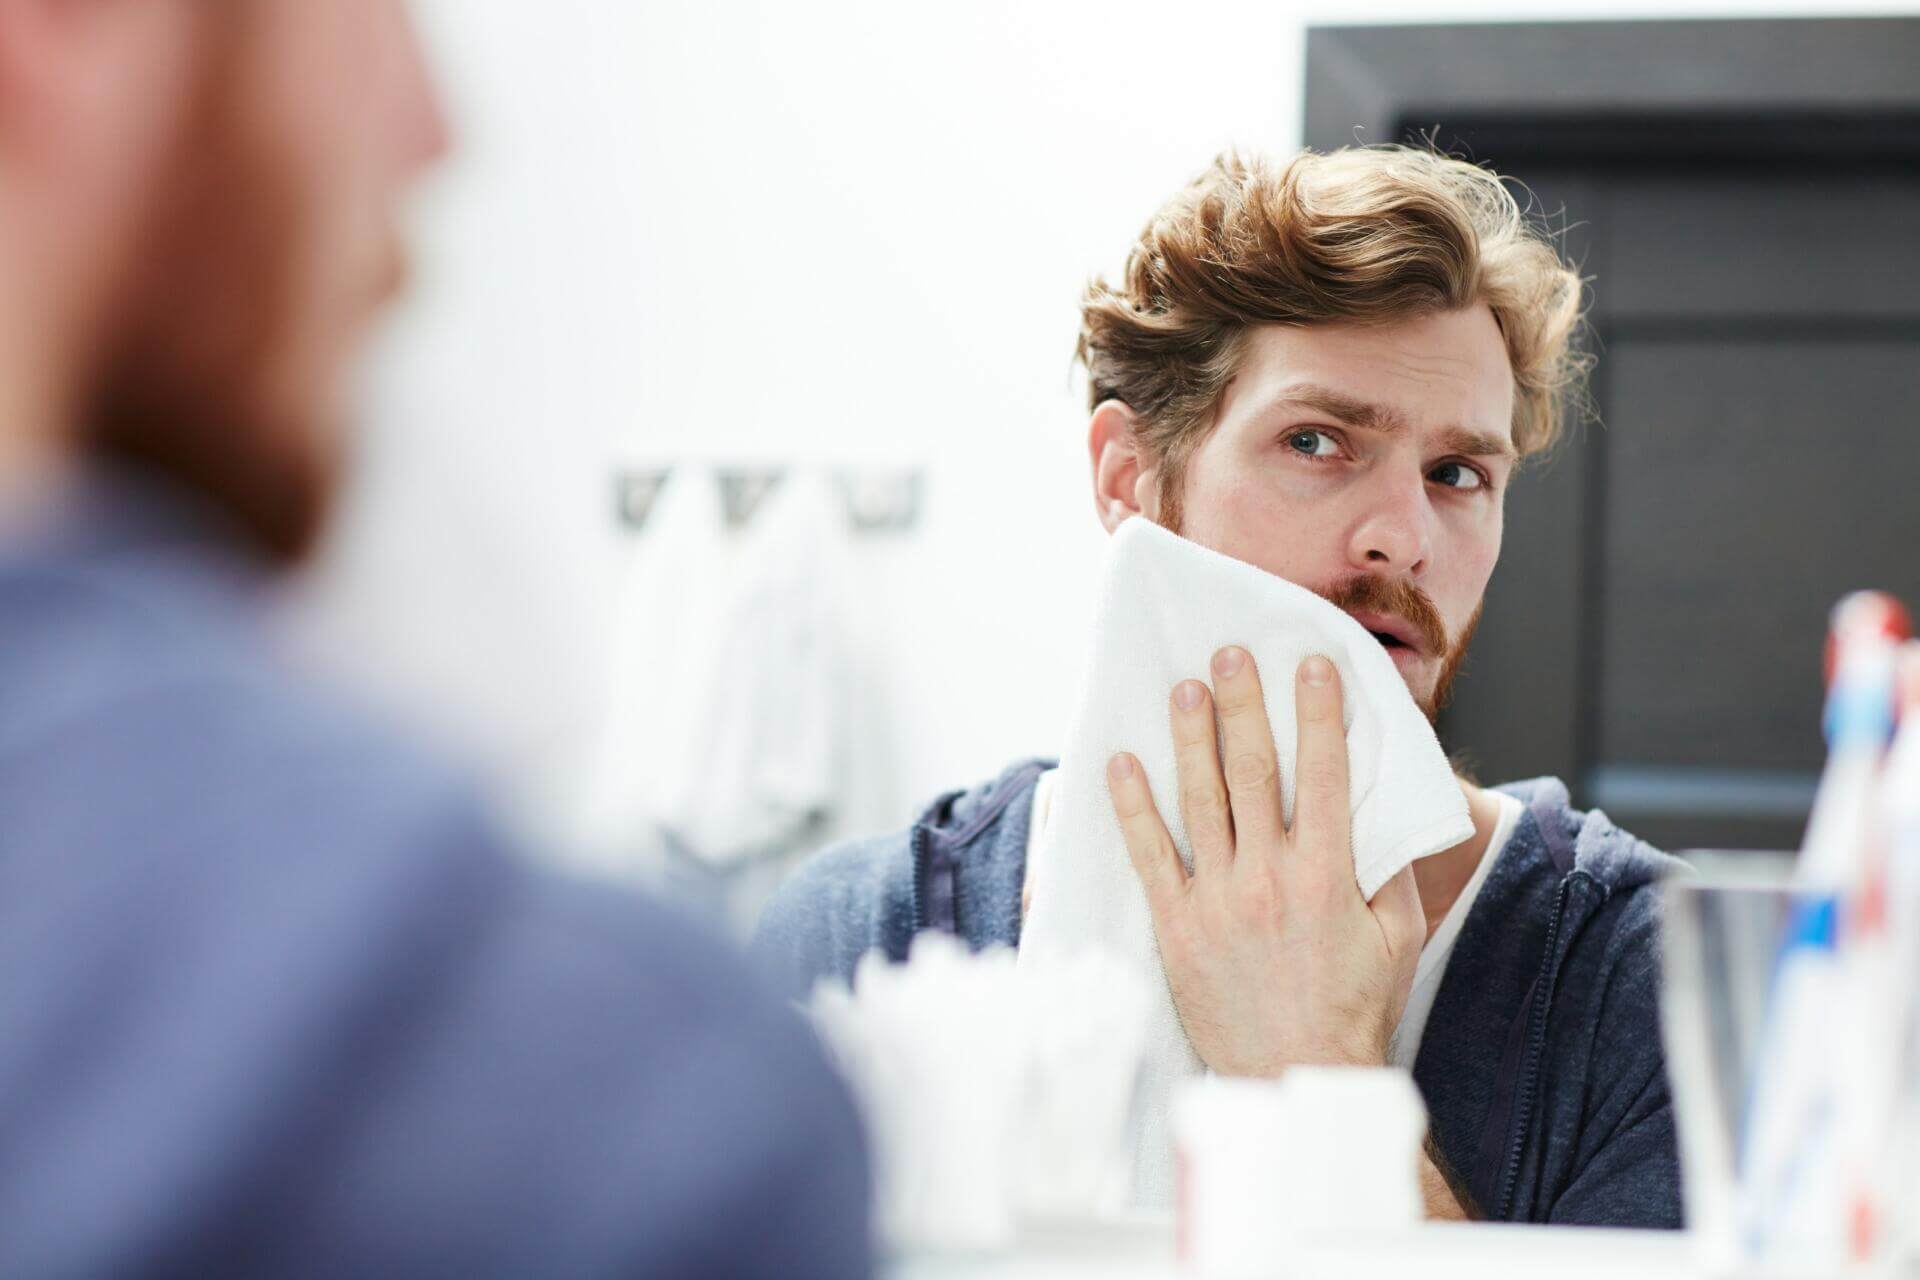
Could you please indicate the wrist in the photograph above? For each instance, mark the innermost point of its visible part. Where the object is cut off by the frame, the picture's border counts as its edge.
(1333, 1054)
(1351, 1051)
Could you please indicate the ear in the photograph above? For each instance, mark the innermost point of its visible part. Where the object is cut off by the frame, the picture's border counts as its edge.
(1125, 480)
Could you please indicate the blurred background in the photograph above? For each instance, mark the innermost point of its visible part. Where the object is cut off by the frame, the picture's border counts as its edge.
(757, 318)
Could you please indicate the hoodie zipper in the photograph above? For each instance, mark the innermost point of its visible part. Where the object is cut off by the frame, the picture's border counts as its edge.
(1536, 1046)
(918, 844)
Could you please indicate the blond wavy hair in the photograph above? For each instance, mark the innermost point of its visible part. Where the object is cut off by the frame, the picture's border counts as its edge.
(1359, 235)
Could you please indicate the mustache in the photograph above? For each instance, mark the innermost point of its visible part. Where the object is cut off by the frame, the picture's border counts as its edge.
(1402, 600)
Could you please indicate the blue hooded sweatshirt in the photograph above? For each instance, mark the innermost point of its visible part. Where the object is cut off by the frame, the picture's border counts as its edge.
(278, 998)
(1541, 1064)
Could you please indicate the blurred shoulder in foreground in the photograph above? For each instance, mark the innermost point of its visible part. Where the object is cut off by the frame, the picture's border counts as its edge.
(276, 997)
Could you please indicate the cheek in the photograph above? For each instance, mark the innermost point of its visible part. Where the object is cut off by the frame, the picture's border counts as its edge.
(1469, 562)
(325, 86)
(1236, 511)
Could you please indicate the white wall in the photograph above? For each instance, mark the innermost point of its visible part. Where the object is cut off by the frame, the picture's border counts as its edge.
(759, 230)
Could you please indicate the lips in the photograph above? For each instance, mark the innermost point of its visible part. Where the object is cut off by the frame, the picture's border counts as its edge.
(1391, 631)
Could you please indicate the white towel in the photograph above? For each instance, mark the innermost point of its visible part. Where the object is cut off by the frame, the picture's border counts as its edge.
(1165, 606)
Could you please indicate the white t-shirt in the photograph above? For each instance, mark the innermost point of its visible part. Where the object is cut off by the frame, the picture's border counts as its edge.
(1432, 965)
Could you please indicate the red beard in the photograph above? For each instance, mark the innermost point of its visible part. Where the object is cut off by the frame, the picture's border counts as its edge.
(191, 382)
(1401, 599)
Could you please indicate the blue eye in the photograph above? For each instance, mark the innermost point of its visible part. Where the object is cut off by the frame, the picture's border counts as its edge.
(1313, 444)
(1456, 475)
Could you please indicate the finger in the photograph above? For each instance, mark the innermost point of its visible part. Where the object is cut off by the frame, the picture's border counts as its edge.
(1322, 818)
(1203, 793)
(1252, 773)
(1155, 860)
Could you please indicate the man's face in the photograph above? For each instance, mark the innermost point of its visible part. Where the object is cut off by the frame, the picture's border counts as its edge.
(269, 241)
(1368, 464)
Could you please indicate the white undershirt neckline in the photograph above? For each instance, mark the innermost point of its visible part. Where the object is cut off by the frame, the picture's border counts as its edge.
(1432, 966)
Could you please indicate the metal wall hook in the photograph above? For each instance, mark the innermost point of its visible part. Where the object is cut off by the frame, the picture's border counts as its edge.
(744, 490)
(881, 501)
(635, 493)
(877, 502)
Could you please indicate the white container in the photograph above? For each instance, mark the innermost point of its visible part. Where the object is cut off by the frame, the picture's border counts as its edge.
(1267, 1167)
(1356, 1134)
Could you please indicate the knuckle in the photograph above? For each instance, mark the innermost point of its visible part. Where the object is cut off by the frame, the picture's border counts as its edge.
(1196, 764)
(1176, 935)
(1188, 740)
(1322, 779)
(1236, 704)
(1334, 848)
(1257, 902)
(1321, 881)
(1195, 725)
(1146, 861)
(1147, 839)
(1203, 802)
(1321, 708)
(1249, 771)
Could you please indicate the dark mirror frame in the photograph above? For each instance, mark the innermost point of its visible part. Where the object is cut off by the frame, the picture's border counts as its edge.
(1579, 101)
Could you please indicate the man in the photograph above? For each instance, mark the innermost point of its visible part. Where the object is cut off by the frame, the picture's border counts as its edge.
(276, 997)
(1331, 369)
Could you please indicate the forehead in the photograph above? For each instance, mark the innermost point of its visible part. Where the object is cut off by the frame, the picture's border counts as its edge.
(1434, 371)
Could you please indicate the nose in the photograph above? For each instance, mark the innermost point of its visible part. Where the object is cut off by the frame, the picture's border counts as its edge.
(1393, 534)
(425, 134)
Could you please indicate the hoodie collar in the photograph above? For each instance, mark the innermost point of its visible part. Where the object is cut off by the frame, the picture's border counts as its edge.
(970, 858)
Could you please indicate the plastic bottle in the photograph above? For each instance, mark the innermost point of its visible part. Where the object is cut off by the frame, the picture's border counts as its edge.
(1805, 1114)
(1890, 1176)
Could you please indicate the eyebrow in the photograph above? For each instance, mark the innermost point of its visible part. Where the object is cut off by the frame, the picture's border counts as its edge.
(1355, 412)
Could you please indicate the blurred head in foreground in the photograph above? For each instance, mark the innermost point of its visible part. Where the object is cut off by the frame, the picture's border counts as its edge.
(198, 220)
(1330, 368)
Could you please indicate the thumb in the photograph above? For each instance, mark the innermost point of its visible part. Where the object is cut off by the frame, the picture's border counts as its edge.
(1403, 922)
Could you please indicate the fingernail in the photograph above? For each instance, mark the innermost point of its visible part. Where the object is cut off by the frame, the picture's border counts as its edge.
(1121, 766)
(1187, 694)
(1316, 670)
(1228, 662)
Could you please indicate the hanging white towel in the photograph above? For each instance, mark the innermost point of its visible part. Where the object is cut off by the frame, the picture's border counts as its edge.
(766, 747)
(1165, 606)
(669, 607)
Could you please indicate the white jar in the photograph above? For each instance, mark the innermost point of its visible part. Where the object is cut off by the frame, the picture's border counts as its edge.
(1268, 1166)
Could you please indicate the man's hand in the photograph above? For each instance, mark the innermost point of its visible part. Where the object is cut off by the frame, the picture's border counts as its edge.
(1273, 956)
